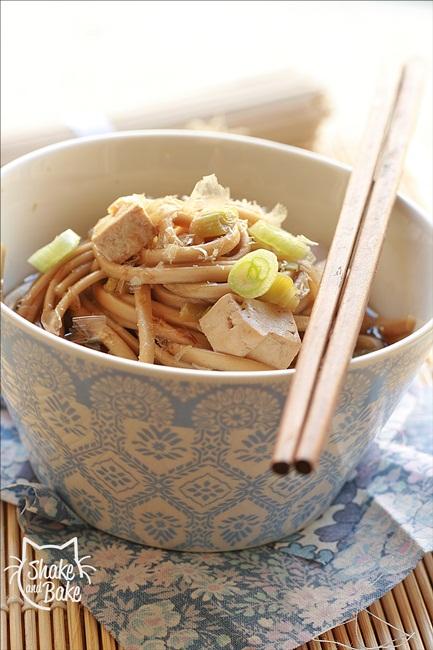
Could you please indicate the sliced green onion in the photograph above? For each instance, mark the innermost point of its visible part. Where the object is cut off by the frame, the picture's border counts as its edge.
(283, 293)
(214, 224)
(284, 244)
(48, 256)
(192, 312)
(254, 273)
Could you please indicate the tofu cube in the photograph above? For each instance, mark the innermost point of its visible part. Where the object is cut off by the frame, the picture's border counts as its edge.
(252, 329)
(124, 234)
(278, 349)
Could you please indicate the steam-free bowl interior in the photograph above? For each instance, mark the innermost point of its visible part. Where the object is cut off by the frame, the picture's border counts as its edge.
(70, 185)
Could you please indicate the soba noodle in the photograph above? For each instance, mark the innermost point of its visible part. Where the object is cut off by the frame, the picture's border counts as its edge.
(149, 307)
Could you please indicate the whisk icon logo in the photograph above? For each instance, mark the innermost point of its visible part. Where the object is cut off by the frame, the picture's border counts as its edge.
(49, 582)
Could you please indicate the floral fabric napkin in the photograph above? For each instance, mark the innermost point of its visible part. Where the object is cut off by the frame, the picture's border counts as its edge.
(272, 597)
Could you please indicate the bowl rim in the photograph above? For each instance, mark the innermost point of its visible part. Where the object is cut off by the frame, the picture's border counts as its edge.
(186, 373)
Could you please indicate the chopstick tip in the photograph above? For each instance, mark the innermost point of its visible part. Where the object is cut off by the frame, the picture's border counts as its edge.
(281, 467)
(303, 466)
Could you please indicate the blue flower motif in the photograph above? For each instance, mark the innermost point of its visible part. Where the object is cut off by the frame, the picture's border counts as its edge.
(90, 505)
(237, 528)
(160, 444)
(254, 448)
(112, 474)
(308, 552)
(162, 528)
(346, 521)
(205, 489)
(347, 493)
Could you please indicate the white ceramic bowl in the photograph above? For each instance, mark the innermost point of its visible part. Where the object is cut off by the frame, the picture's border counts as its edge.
(180, 458)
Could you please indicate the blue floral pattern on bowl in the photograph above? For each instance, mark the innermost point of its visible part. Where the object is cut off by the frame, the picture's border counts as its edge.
(181, 460)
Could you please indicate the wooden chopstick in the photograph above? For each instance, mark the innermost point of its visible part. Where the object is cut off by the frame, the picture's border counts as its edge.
(317, 332)
(342, 298)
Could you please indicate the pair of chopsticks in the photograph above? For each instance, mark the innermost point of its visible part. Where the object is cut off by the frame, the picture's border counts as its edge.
(353, 257)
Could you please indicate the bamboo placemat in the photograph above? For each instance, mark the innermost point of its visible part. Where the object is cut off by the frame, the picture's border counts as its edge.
(400, 619)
